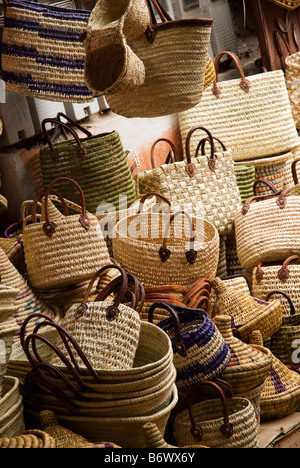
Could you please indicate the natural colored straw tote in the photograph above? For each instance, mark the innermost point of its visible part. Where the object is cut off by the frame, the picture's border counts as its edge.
(269, 230)
(200, 352)
(245, 114)
(66, 251)
(43, 55)
(11, 408)
(217, 423)
(249, 365)
(151, 69)
(204, 186)
(246, 312)
(107, 332)
(155, 440)
(283, 276)
(98, 164)
(161, 249)
(281, 394)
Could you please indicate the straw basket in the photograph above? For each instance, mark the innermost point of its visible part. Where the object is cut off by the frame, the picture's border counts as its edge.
(249, 365)
(283, 276)
(218, 423)
(166, 249)
(149, 78)
(292, 77)
(279, 215)
(154, 438)
(246, 312)
(13, 250)
(245, 178)
(64, 252)
(7, 332)
(33, 438)
(200, 352)
(97, 163)
(11, 409)
(3, 204)
(234, 111)
(43, 54)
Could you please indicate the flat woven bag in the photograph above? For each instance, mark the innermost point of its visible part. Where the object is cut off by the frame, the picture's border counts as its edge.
(161, 249)
(64, 252)
(107, 332)
(269, 230)
(200, 352)
(249, 365)
(42, 51)
(283, 276)
(97, 163)
(151, 68)
(281, 394)
(205, 187)
(246, 312)
(217, 423)
(234, 110)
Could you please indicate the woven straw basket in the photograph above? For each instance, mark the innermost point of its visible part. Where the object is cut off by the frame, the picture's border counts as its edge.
(43, 55)
(234, 110)
(281, 394)
(11, 409)
(165, 251)
(3, 204)
(154, 438)
(249, 366)
(245, 178)
(66, 251)
(165, 63)
(205, 187)
(107, 332)
(292, 78)
(97, 163)
(247, 313)
(237, 282)
(200, 352)
(33, 438)
(219, 423)
(277, 216)
(8, 330)
(283, 276)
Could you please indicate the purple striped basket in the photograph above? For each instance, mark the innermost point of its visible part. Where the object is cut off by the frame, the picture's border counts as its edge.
(42, 51)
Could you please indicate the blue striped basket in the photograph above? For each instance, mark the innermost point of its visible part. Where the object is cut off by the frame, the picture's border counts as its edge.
(42, 51)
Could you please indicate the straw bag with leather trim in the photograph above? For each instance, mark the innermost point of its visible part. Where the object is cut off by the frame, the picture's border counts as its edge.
(233, 111)
(66, 251)
(151, 69)
(204, 186)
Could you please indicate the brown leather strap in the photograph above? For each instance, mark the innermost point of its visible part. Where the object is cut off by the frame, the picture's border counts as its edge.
(172, 155)
(202, 143)
(152, 194)
(196, 429)
(49, 227)
(282, 43)
(284, 294)
(121, 289)
(284, 272)
(244, 84)
(40, 197)
(294, 171)
(191, 254)
(265, 182)
(61, 115)
(190, 167)
(137, 296)
(281, 199)
(82, 151)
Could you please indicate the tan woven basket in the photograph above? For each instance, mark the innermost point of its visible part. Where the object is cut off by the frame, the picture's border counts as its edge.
(64, 252)
(7, 332)
(205, 187)
(235, 109)
(33, 438)
(11, 409)
(145, 75)
(3, 204)
(219, 423)
(246, 312)
(276, 216)
(167, 249)
(154, 438)
(283, 276)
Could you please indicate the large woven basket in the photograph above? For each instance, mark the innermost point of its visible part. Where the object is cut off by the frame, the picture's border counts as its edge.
(7, 332)
(218, 423)
(156, 82)
(246, 312)
(98, 164)
(165, 251)
(42, 51)
(276, 216)
(283, 276)
(64, 252)
(33, 438)
(11, 409)
(249, 365)
(234, 111)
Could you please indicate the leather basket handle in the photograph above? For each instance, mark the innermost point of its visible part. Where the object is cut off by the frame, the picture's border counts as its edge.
(244, 84)
(152, 194)
(172, 155)
(202, 143)
(281, 199)
(191, 254)
(284, 294)
(196, 429)
(190, 167)
(61, 115)
(284, 272)
(265, 182)
(294, 171)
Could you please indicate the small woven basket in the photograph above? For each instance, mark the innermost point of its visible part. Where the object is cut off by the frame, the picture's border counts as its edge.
(33, 438)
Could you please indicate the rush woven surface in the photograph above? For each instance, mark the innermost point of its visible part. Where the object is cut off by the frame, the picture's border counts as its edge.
(3, 204)
(43, 54)
(236, 116)
(33, 438)
(245, 178)
(11, 409)
(292, 74)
